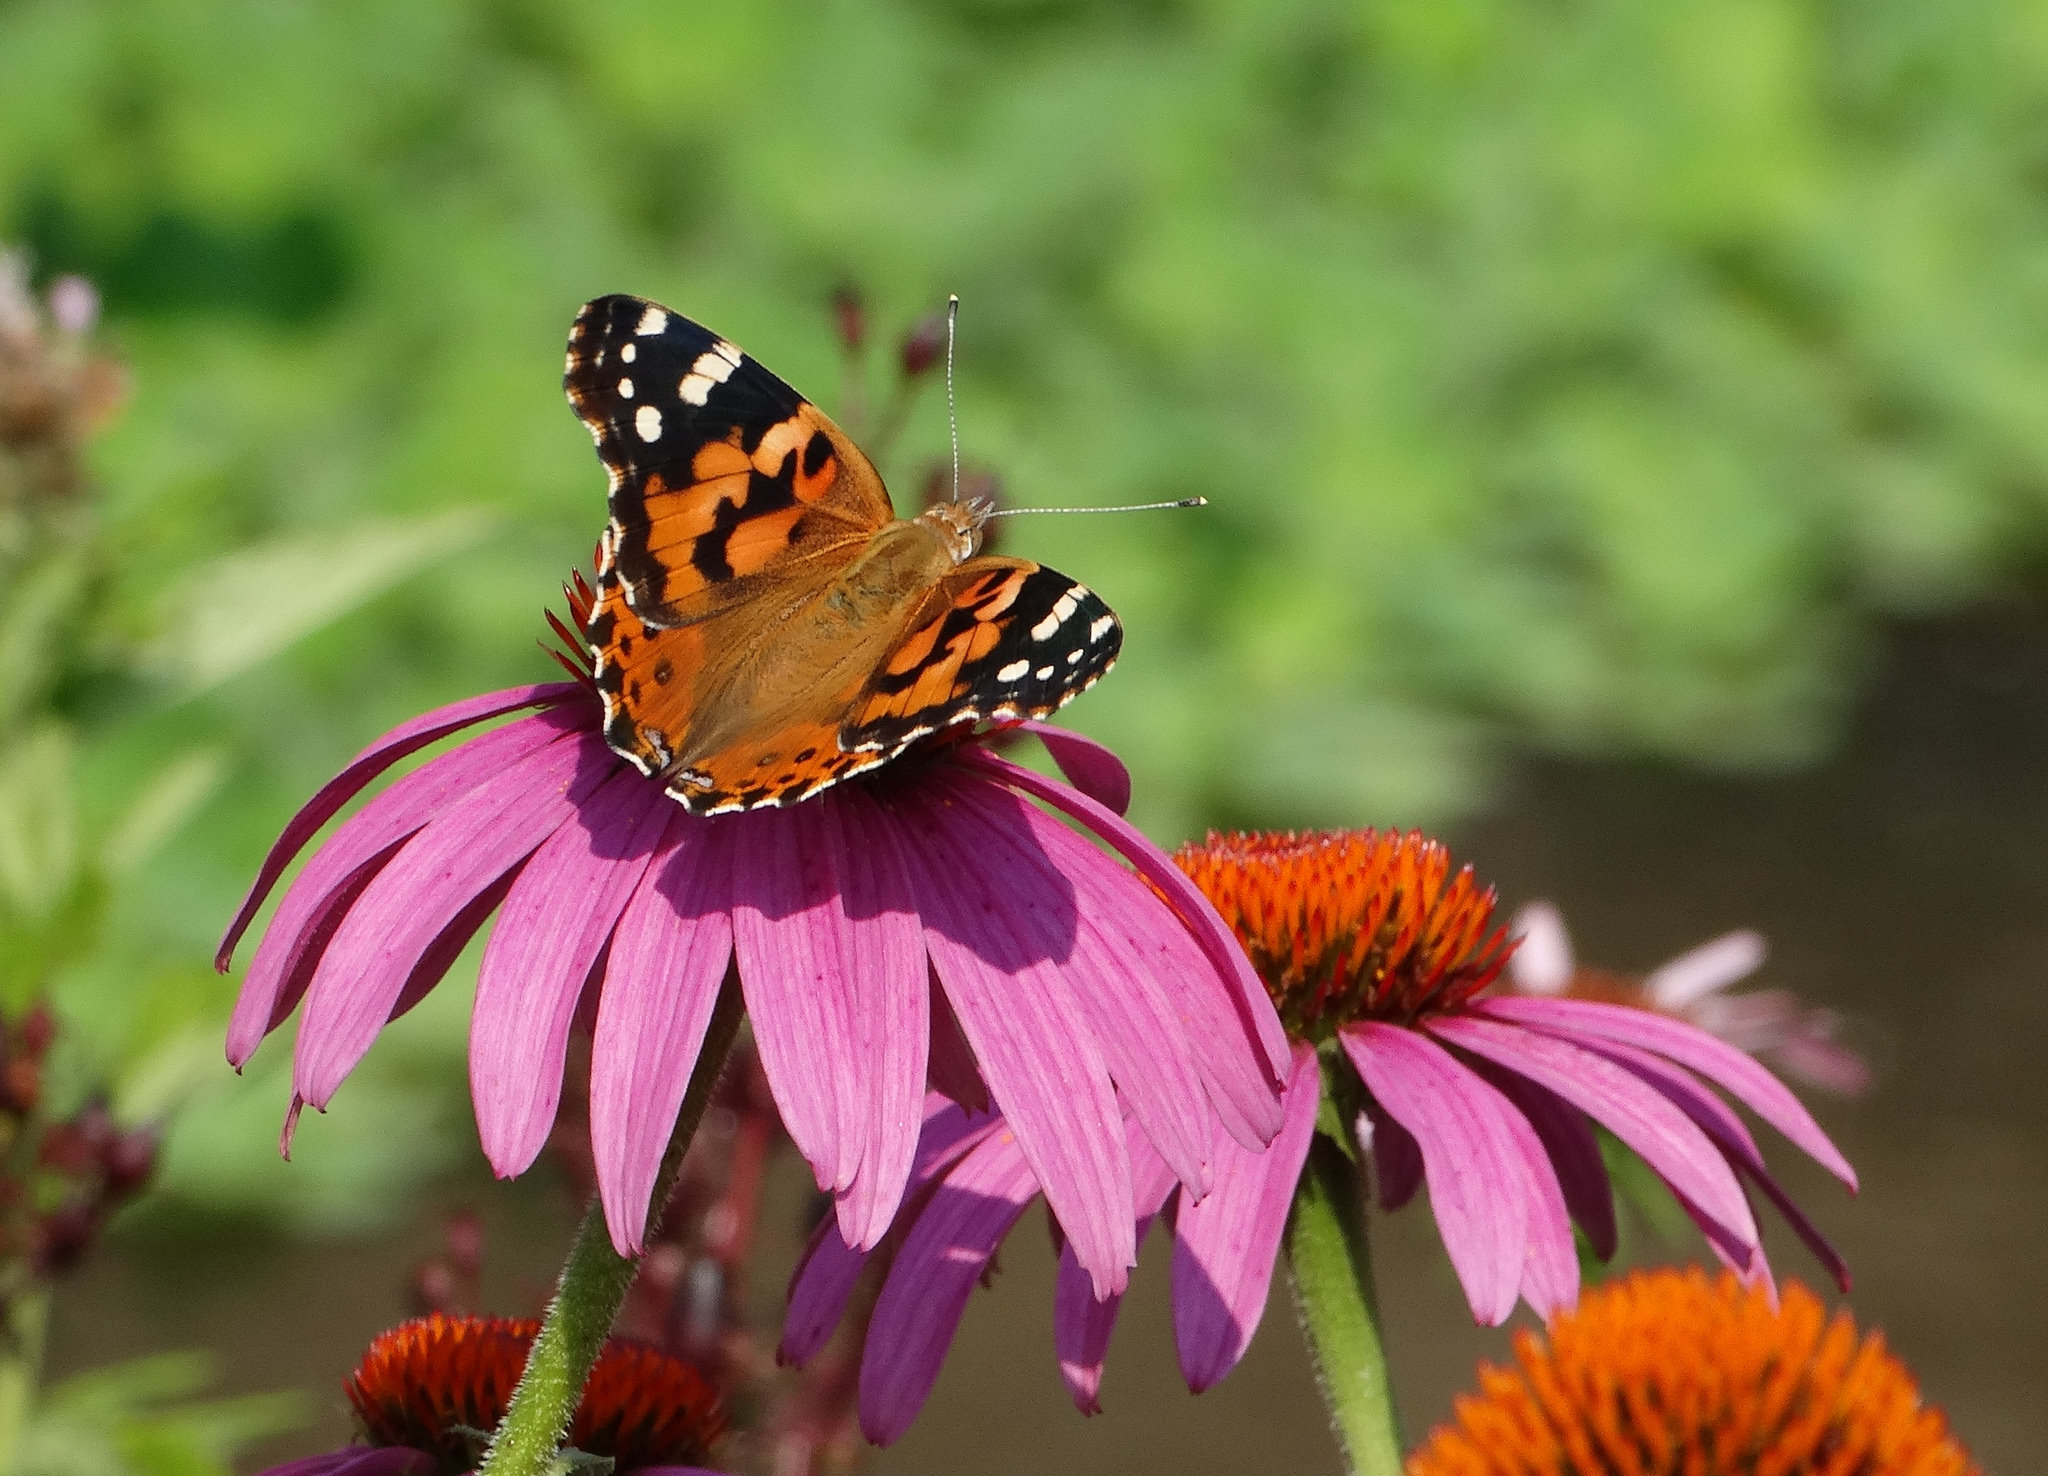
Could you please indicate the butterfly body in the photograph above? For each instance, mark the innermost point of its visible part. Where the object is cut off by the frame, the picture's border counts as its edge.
(764, 625)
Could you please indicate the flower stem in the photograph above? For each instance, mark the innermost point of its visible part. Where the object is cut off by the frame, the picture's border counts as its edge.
(1326, 1249)
(24, 1319)
(593, 1287)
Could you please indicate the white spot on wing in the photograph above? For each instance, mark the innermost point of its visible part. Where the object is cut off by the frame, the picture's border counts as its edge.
(713, 367)
(1014, 670)
(629, 353)
(1103, 625)
(1043, 672)
(654, 320)
(626, 388)
(647, 421)
(1044, 629)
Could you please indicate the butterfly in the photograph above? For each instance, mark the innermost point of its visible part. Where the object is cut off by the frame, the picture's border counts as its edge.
(764, 625)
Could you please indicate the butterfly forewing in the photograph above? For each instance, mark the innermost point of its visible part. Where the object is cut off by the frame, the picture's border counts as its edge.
(721, 474)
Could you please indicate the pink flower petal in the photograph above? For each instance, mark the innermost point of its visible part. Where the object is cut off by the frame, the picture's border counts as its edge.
(826, 1272)
(1542, 961)
(1550, 1266)
(460, 854)
(285, 963)
(1111, 972)
(1692, 1048)
(942, 1257)
(1820, 1061)
(1081, 1321)
(1225, 1246)
(890, 989)
(1001, 941)
(1088, 765)
(669, 957)
(361, 1460)
(950, 1068)
(1720, 1123)
(1396, 1156)
(1745, 1259)
(832, 958)
(320, 897)
(1469, 1155)
(1663, 1136)
(1574, 1153)
(1246, 997)
(408, 737)
(555, 924)
(789, 938)
(1710, 967)
(440, 955)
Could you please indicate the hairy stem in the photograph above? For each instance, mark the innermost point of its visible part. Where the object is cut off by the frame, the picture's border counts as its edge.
(593, 1287)
(1332, 1266)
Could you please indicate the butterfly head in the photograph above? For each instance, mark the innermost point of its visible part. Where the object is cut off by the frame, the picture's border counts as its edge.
(958, 525)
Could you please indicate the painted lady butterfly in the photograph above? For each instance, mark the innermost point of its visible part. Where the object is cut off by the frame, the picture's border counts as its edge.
(765, 625)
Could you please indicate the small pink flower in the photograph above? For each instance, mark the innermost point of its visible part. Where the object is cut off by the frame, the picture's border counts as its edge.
(1379, 959)
(932, 925)
(1801, 1040)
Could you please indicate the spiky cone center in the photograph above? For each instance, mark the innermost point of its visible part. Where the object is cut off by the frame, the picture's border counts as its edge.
(1666, 1373)
(1352, 925)
(441, 1383)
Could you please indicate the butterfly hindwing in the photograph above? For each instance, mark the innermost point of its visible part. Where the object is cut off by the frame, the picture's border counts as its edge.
(998, 638)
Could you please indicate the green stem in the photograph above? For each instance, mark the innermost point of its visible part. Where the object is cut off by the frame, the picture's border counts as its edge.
(22, 1326)
(1333, 1294)
(593, 1287)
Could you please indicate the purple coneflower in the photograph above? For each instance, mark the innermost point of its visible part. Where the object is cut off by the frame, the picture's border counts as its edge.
(1378, 958)
(932, 925)
(428, 1391)
(1801, 1040)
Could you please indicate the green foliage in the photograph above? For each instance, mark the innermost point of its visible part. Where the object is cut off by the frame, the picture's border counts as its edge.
(1585, 376)
(145, 1418)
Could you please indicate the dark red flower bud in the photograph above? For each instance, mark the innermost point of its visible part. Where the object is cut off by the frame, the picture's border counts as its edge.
(64, 1235)
(66, 1150)
(97, 1124)
(433, 1289)
(35, 1031)
(923, 345)
(466, 1242)
(850, 314)
(128, 1161)
(21, 1086)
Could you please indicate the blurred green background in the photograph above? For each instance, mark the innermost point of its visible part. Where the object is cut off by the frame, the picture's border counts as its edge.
(1592, 381)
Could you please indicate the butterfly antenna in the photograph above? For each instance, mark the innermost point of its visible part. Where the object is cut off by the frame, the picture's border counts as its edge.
(1011, 512)
(952, 416)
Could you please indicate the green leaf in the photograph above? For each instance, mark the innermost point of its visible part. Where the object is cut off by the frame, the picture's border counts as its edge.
(141, 1419)
(165, 804)
(34, 608)
(240, 610)
(39, 829)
